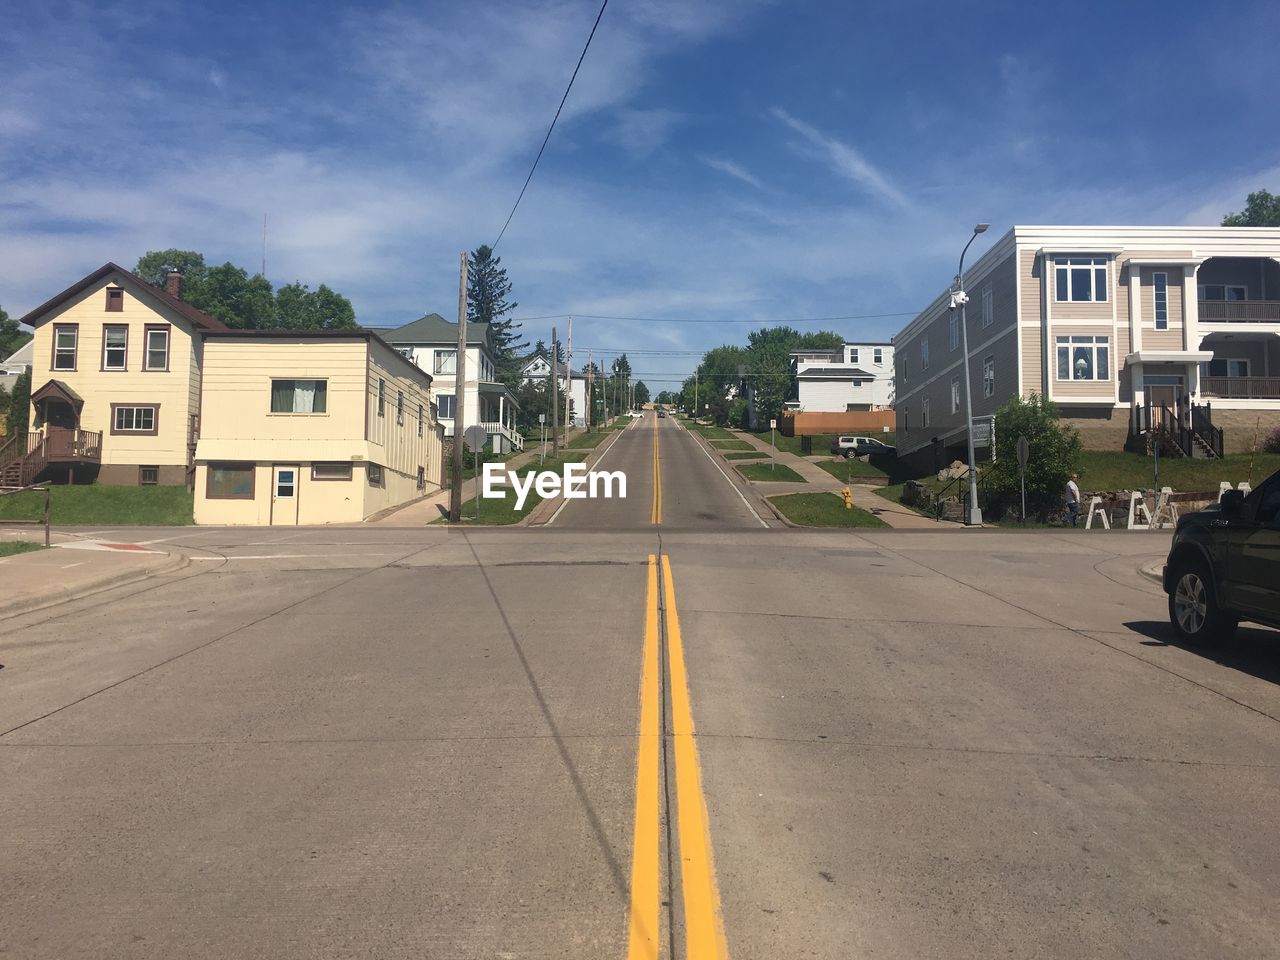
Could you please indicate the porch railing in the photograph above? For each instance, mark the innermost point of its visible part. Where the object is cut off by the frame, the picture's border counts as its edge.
(70, 445)
(496, 428)
(1180, 426)
(1240, 311)
(1241, 388)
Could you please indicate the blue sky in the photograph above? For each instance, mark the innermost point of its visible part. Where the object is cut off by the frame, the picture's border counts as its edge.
(716, 161)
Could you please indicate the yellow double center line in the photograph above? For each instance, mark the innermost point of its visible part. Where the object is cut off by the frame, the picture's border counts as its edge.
(655, 516)
(703, 923)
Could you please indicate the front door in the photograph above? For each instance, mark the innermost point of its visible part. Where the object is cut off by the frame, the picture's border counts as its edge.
(284, 495)
(60, 428)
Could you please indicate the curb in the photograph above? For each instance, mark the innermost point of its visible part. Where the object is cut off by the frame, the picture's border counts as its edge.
(176, 562)
(736, 478)
(1154, 572)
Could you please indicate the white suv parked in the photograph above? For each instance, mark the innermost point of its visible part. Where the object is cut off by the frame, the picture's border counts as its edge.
(860, 447)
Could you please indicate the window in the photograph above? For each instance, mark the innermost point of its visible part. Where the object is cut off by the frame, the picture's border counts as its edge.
(1223, 291)
(331, 471)
(1080, 279)
(1224, 367)
(422, 478)
(906, 419)
(115, 347)
(1084, 358)
(406, 352)
(400, 407)
(988, 308)
(853, 354)
(877, 356)
(286, 483)
(134, 419)
(955, 330)
(955, 394)
(989, 377)
(299, 396)
(421, 412)
(148, 476)
(1161, 283)
(375, 475)
(229, 481)
(65, 339)
(157, 344)
(446, 361)
(924, 413)
(382, 397)
(115, 300)
(446, 405)
(924, 354)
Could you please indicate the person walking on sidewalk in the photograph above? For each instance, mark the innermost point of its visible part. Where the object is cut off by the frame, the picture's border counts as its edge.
(1073, 499)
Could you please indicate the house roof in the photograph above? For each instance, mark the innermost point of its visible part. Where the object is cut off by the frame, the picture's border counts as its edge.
(198, 318)
(59, 390)
(560, 368)
(352, 333)
(434, 328)
(851, 373)
(22, 355)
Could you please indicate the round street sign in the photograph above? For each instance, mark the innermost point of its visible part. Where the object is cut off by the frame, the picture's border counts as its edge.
(475, 438)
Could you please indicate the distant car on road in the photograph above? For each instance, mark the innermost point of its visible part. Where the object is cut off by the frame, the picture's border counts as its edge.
(1224, 565)
(861, 447)
(661, 413)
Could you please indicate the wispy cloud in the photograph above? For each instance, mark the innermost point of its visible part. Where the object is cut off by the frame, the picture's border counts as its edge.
(845, 160)
(640, 132)
(735, 170)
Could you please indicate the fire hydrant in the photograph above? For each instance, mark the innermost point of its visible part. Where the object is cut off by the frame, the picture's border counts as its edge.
(848, 498)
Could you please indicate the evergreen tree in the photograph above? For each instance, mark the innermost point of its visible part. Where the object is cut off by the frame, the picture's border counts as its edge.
(12, 336)
(487, 292)
(19, 404)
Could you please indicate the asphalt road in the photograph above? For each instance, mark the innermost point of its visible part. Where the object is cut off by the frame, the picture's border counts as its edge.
(540, 742)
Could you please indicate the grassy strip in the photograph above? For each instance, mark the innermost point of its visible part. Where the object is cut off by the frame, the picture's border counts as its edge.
(712, 433)
(621, 422)
(770, 472)
(753, 455)
(589, 441)
(14, 547)
(100, 504)
(501, 511)
(823, 510)
(1118, 470)
(822, 441)
(732, 445)
(844, 469)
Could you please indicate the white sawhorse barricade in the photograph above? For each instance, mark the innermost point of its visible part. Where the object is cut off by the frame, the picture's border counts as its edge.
(1097, 510)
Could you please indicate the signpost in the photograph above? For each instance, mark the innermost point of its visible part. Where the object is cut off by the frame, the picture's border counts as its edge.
(1024, 450)
(542, 422)
(773, 461)
(475, 438)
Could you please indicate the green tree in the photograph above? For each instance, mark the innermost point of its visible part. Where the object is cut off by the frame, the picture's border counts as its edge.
(154, 267)
(641, 393)
(487, 292)
(19, 404)
(229, 294)
(1261, 209)
(12, 336)
(298, 308)
(1053, 456)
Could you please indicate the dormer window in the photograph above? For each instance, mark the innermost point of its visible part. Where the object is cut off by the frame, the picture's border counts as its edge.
(115, 300)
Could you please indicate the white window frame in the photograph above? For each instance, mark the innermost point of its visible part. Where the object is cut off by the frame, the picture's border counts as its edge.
(452, 404)
(924, 354)
(1160, 298)
(924, 413)
(320, 388)
(955, 395)
(1073, 343)
(444, 362)
(1065, 266)
(989, 376)
(134, 419)
(1244, 292)
(988, 307)
(121, 348)
(148, 349)
(61, 350)
(954, 330)
(852, 354)
(877, 356)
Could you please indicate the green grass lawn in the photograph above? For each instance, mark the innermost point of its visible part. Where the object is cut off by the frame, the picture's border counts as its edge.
(844, 469)
(712, 433)
(732, 445)
(770, 472)
(752, 455)
(1118, 470)
(821, 441)
(621, 422)
(14, 547)
(99, 504)
(823, 510)
(502, 511)
(589, 441)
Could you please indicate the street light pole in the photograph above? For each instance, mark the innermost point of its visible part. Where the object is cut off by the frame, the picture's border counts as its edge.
(973, 516)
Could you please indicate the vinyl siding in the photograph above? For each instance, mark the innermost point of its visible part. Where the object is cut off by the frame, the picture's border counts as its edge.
(1172, 338)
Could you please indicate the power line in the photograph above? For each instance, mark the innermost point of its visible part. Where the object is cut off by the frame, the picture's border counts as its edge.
(552, 127)
(789, 320)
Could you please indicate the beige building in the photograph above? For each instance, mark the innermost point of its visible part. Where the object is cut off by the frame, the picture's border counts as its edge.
(115, 384)
(311, 427)
(1133, 332)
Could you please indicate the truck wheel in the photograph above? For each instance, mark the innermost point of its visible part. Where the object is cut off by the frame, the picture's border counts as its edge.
(1193, 607)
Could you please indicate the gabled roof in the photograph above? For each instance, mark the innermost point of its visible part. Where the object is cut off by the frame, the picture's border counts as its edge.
(136, 285)
(59, 391)
(434, 328)
(560, 368)
(22, 355)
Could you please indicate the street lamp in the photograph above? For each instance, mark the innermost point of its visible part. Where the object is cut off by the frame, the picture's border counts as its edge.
(973, 515)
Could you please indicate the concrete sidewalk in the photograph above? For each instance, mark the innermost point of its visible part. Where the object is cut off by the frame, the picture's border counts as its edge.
(73, 568)
(818, 480)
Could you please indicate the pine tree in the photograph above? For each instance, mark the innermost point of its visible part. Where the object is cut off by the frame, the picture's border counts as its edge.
(487, 292)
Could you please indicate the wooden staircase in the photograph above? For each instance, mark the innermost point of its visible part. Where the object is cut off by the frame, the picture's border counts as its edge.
(22, 460)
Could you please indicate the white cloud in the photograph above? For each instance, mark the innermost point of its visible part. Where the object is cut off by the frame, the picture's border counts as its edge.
(733, 169)
(640, 132)
(845, 160)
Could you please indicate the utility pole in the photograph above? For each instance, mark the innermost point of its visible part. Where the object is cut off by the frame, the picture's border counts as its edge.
(591, 379)
(568, 381)
(459, 396)
(695, 394)
(555, 397)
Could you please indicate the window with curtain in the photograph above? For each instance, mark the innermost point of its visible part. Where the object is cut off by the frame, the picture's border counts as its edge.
(299, 396)
(445, 361)
(1084, 358)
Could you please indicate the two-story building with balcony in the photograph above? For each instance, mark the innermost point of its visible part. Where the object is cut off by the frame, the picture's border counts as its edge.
(115, 384)
(1138, 334)
(855, 377)
(432, 343)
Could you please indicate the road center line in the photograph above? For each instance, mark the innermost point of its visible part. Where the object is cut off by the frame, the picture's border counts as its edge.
(644, 936)
(704, 924)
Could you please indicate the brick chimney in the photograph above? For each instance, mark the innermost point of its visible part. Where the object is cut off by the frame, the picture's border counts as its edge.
(173, 284)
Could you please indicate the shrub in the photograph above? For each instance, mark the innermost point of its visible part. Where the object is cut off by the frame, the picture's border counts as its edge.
(1054, 455)
(1271, 443)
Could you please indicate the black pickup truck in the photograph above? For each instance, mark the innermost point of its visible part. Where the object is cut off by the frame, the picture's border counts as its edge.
(1224, 565)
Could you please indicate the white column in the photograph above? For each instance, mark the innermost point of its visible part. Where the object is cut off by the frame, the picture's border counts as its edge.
(1190, 308)
(1135, 308)
(1136, 387)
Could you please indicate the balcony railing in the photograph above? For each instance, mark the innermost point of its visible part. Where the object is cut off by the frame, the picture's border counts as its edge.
(1240, 311)
(1241, 388)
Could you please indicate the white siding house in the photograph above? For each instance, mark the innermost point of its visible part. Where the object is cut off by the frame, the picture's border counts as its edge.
(857, 376)
(537, 369)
